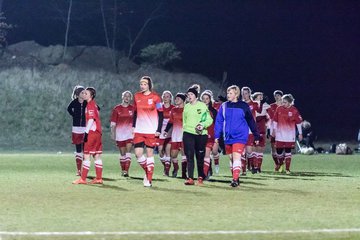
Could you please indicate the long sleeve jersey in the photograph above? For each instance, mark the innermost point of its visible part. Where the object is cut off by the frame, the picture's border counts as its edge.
(233, 121)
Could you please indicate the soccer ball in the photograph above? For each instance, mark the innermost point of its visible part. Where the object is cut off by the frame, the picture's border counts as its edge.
(307, 151)
(341, 148)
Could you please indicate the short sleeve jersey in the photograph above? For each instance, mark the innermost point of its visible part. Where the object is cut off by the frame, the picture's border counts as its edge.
(217, 105)
(272, 109)
(122, 117)
(285, 120)
(92, 112)
(261, 118)
(147, 107)
(254, 107)
(166, 111)
(176, 118)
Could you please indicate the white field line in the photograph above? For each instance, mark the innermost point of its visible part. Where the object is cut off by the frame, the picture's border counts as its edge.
(254, 232)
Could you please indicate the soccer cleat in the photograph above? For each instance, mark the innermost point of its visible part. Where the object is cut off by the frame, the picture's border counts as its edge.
(281, 169)
(126, 174)
(183, 175)
(217, 168)
(200, 181)
(96, 181)
(79, 181)
(288, 172)
(235, 183)
(147, 184)
(78, 173)
(254, 170)
(189, 181)
(174, 174)
(243, 174)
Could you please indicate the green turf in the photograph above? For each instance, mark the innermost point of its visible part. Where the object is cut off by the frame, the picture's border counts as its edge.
(323, 192)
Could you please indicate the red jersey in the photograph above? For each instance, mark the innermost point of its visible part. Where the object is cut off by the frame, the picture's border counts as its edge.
(122, 118)
(262, 118)
(272, 109)
(211, 128)
(176, 118)
(217, 105)
(92, 112)
(271, 112)
(284, 123)
(254, 107)
(166, 111)
(147, 107)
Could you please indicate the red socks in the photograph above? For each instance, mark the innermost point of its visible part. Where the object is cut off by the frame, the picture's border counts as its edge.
(206, 166)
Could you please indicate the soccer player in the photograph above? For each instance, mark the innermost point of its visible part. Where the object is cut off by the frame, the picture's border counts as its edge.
(121, 130)
(196, 120)
(211, 147)
(233, 121)
(164, 145)
(249, 157)
(176, 124)
(286, 118)
(261, 120)
(147, 125)
(271, 112)
(76, 109)
(92, 139)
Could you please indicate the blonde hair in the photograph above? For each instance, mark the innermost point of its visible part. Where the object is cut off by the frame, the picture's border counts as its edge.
(236, 90)
(125, 92)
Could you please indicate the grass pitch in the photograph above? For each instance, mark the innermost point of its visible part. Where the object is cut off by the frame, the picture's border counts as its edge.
(37, 197)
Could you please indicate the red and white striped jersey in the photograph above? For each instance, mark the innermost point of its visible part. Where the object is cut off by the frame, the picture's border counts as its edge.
(284, 122)
(92, 112)
(147, 107)
(176, 118)
(166, 111)
(122, 119)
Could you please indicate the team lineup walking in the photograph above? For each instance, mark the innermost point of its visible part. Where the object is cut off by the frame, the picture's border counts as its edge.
(193, 124)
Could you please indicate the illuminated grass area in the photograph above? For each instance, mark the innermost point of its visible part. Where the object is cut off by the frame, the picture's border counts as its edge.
(323, 192)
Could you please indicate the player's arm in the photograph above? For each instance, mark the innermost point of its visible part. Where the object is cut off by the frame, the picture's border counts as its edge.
(219, 123)
(169, 125)
(70, 108)
(206, 119)
(113, 120)
(251, 123)
(159, 109)
(298, 125)
(134, 118)
(274, 123)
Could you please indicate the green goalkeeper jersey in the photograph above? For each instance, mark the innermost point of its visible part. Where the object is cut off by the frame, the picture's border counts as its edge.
(193, 115)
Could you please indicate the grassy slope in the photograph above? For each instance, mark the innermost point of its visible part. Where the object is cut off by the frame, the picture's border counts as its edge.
(37, 195)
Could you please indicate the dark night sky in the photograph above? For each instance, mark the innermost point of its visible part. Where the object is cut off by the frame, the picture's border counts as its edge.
(307, 48)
